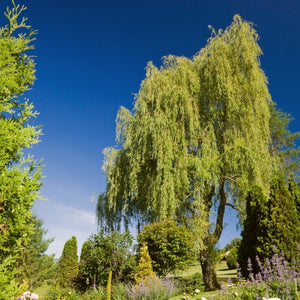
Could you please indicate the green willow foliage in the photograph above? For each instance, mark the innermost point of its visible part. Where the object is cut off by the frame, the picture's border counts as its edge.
(19, 175)
(197, 126)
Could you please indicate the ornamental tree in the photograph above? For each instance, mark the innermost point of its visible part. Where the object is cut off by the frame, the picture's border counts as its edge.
(197, 140)
(19, 174)
(144, 270)
(170, 246)
(68, 263)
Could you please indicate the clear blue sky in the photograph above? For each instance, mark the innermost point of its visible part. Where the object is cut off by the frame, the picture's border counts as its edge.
(91, 57)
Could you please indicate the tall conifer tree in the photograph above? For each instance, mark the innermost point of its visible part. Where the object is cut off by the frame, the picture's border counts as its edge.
(68, 263)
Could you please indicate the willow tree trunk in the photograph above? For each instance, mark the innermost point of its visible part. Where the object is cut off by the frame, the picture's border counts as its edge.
(208, 270)
(207, 255)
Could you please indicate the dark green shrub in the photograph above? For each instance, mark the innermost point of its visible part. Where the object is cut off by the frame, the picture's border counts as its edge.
(272, 221)
(188, 284)
(232, 258)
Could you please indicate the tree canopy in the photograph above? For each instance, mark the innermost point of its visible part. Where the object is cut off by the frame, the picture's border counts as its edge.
(197, 126)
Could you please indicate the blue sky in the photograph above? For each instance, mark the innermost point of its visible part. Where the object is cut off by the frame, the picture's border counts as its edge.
(91, 57)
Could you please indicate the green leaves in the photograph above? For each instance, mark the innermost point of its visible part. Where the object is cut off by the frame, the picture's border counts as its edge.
(19, 175)
(197, 124)
(102, 253)
(170, 246)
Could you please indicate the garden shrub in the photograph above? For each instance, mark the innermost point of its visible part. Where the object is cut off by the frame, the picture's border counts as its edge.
(170, 246)
(232, 258)
(188, 284)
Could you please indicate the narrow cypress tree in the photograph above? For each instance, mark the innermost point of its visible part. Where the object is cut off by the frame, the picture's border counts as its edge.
(68, 264)
(271, 222)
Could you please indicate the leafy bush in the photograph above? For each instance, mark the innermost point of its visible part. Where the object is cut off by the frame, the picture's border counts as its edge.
(153, 289)
(101, 253)
(170, 246)
(188, 284)
(232, 258)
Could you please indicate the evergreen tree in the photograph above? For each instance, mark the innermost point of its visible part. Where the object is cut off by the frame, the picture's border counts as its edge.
(19, 175)
(145, 269)
(273, 221)
(197, 140)
(68, 264)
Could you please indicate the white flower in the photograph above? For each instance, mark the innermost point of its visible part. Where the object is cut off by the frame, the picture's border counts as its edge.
(203, 298)
(34, 296)
(197, 291)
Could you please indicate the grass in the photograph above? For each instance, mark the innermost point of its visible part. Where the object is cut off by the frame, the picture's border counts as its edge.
(43, 290)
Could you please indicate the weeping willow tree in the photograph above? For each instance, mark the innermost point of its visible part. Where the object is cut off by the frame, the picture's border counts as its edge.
(197, 139)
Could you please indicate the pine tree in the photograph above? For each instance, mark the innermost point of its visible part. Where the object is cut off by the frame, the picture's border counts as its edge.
(68, 263)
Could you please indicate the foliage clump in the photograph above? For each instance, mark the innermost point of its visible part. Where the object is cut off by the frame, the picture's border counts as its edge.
(232, 258)
(170, 246)
(188, 284)
(102, 253)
